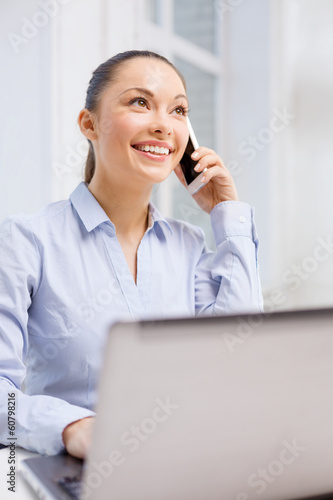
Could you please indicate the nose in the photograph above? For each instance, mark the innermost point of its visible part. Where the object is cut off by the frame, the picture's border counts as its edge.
(161, 125)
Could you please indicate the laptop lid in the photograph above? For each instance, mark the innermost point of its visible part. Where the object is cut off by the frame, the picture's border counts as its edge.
(233, 407)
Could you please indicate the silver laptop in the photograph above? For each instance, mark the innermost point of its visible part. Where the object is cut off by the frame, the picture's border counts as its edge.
(235, 408)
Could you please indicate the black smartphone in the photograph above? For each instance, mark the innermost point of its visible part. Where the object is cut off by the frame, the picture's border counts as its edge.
(192, 178)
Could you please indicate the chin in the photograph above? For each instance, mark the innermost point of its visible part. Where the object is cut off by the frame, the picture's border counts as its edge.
(157, 177)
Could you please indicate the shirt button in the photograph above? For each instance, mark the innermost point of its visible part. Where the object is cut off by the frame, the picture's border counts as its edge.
(242, 218)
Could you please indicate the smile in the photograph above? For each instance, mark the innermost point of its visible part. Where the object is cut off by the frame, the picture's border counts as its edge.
(156, 150)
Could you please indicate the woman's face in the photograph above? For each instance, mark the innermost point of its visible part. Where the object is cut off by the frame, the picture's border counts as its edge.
(141, 122)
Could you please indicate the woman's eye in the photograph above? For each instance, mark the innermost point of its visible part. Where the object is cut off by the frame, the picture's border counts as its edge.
(180, 110)
(140, 102)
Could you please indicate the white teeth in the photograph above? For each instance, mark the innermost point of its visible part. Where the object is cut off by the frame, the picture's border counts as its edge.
(153, 149)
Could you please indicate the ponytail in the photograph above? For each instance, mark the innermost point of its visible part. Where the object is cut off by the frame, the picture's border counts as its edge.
(90, 164)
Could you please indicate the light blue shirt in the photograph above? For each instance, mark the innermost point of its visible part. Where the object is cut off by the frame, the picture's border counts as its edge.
(64, 280)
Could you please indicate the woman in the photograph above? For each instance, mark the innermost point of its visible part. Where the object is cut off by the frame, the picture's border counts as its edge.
(76, 266)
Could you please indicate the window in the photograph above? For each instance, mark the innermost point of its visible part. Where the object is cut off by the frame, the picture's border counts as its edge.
(195, 21)
(154, 11)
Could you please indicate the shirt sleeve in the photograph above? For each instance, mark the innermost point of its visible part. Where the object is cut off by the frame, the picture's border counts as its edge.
(227, 280)
(39, 419)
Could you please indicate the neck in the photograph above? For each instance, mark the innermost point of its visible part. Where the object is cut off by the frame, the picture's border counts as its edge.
(125, 205)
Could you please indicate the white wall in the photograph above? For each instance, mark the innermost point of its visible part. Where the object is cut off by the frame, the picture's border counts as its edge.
(25, 108)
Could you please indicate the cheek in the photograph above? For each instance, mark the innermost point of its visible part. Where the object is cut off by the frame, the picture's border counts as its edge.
(182, 139)
(121, 126)
(178, 156)
(105, 125)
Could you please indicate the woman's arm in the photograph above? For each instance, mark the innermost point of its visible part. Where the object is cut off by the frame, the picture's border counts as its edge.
(226, 281)
(39, 419)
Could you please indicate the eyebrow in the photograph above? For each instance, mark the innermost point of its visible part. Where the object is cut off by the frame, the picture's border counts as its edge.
(149, 93)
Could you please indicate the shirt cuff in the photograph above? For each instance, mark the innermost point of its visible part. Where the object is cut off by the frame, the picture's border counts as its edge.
(54, 443)
(232, 218)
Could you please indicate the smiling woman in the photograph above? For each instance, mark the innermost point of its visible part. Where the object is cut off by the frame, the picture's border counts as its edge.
(107, 73)
(106, 253)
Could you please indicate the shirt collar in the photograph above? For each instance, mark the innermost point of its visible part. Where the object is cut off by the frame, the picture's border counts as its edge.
(92, 214)
(156, 216)
(89, 210)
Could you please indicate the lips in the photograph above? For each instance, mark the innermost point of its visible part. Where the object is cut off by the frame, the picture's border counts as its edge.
(154, 148)
(156, 157)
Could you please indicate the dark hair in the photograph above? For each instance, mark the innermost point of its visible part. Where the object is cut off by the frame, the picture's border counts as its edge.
(101, 78)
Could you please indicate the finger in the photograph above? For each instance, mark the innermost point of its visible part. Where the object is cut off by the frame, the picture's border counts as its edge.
(212, 172)
(200, 152)
(209, 161)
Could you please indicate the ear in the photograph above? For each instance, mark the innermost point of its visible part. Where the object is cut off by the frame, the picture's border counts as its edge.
(86, 123)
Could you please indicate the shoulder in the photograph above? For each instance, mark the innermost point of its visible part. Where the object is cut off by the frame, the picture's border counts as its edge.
(48, 211)
(57, 209)
(28, 226)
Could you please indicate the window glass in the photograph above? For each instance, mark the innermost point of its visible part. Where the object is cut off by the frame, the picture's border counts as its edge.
(201, 95)
(153, 11)
(195, 21)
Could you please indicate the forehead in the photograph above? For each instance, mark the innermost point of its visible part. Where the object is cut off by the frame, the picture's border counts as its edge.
(149, 73)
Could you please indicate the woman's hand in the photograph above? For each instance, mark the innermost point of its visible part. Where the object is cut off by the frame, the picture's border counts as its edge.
(77, 437)
(220, 186)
